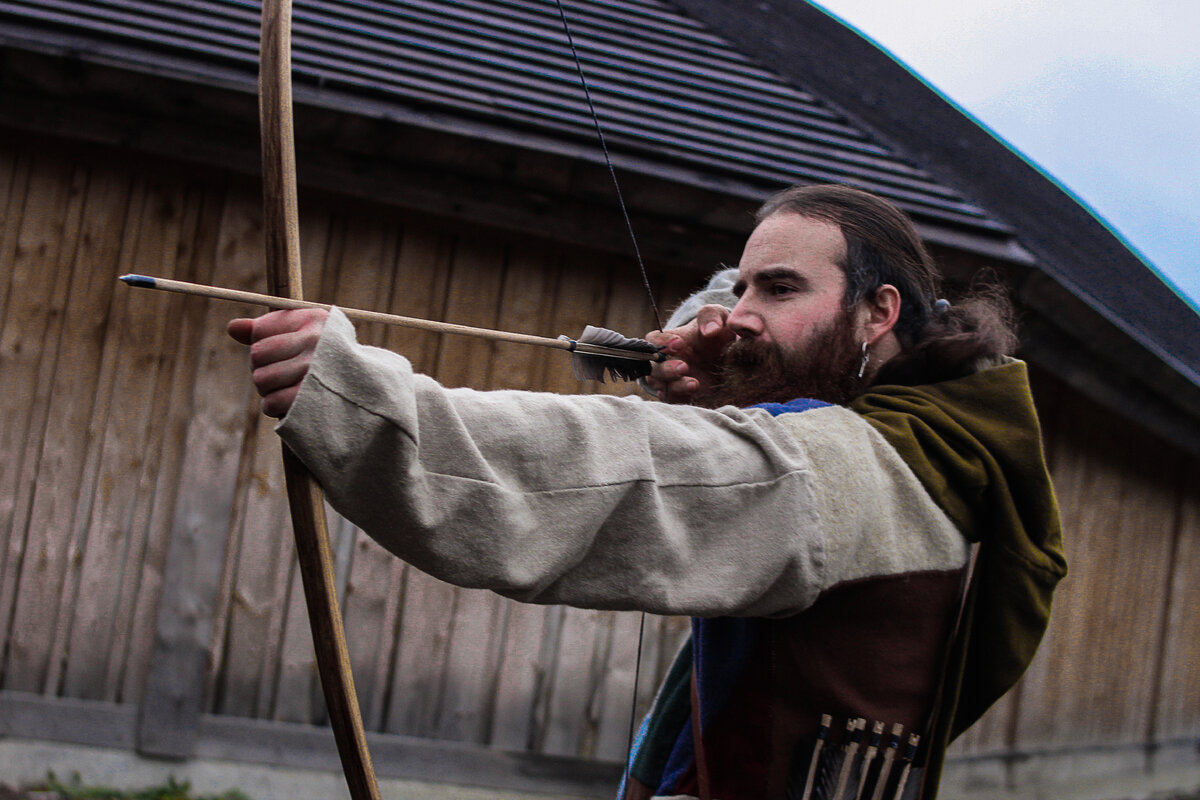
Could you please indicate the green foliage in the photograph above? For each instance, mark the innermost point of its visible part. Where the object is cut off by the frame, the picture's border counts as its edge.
(172, 790)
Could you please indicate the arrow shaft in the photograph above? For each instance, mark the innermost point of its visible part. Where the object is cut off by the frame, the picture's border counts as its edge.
(270, 301)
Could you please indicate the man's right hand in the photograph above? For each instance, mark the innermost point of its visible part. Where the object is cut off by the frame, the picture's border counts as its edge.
(694, 351)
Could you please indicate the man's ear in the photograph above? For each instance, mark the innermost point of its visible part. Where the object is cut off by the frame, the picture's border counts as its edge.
(882, 313)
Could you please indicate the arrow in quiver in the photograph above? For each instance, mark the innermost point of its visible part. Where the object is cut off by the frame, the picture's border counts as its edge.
(883, 769)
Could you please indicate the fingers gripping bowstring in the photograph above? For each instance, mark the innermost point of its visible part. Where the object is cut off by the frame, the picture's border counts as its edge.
(608, 162)
(637, 672)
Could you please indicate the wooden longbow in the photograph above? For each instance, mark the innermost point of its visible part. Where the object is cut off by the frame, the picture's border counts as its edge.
(281, 225)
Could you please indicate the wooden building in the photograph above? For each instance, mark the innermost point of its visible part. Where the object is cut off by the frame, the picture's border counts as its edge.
(450, 169)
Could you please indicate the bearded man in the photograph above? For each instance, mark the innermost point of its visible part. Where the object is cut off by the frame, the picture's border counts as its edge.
(846, 437)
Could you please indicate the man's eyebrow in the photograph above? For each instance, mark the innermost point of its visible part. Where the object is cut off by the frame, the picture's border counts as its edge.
(768, 275)
(781, 274)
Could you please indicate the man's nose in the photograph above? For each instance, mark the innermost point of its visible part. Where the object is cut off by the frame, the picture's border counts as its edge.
(743, 321)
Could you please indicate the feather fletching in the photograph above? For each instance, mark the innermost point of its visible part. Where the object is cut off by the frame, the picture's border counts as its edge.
(592, 366)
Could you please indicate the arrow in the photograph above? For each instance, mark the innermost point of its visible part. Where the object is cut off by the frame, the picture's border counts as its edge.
(595, 352)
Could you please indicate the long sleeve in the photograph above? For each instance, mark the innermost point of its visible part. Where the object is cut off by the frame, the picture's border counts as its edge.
(585, 500)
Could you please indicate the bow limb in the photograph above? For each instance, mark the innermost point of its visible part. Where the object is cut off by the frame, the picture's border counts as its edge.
(282, 228)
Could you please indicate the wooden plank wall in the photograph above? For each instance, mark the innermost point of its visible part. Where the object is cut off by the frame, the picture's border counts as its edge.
(1120, 663)
(127, 426)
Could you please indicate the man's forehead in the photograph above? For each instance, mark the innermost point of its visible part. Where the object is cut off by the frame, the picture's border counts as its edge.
(803, 271)
(786, 241)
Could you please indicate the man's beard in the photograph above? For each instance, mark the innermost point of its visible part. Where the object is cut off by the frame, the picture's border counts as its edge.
(823, 368)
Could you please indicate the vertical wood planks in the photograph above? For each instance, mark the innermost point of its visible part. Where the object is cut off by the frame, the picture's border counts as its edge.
(14, 189)
(61, 493)
(520, 678)
(472, 658)
(526, 306)
(421, 658)
(252, 597)
(204, 507)
(1177, 693)
(1118, 505)
(34, 216)
(83, 397)
(613, 701)
(476, 275)
(28, 356)
(129, 453)
(569, 729)
(151, 527)
(419, 289)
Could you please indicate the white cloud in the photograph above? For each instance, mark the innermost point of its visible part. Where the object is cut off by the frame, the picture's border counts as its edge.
(972, 48)
(1103, 95)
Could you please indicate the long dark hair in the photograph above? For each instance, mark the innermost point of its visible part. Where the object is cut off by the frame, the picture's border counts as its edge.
(938, 340)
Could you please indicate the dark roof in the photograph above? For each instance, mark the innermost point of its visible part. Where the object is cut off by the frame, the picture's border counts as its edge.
(662, 83)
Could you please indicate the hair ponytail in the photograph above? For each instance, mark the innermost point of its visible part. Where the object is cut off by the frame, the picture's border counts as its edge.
(972, 331)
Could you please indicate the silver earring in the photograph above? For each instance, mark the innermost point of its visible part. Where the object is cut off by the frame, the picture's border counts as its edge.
(866, 357)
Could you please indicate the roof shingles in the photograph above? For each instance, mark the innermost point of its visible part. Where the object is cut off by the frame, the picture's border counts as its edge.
(663, 85)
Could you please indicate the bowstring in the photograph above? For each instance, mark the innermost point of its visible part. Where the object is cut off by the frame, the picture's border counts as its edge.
(587, 93)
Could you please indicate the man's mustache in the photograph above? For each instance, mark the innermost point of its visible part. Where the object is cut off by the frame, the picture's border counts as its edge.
(750, 353)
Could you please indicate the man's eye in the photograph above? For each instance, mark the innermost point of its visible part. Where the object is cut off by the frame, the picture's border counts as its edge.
(780, 289)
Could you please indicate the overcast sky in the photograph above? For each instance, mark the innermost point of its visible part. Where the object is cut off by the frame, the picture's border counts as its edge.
(1104, 95)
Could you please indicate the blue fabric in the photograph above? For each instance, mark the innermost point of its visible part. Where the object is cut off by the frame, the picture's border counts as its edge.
(792, 406)
(721, 648)
(634, 747)
(682, 758)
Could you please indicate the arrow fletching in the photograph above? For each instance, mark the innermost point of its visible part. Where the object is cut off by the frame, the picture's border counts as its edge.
(590, 365)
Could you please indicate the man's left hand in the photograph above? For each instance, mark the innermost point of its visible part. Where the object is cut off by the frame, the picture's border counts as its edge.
(281, 344)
